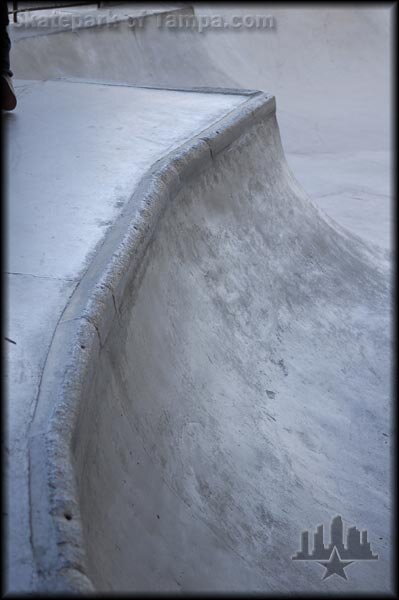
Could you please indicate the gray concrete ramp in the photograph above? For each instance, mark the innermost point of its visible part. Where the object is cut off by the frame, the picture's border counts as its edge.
(218, 382)
(76, 154)
(199, 361)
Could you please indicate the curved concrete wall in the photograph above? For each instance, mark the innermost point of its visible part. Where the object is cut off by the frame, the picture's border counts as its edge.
(147, 55)
(219, 382)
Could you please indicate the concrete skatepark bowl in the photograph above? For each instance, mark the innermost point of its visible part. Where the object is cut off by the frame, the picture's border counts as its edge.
(214, 372)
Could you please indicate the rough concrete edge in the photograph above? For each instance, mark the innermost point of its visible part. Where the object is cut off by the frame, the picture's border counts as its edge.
(16, 37)
(57, 537)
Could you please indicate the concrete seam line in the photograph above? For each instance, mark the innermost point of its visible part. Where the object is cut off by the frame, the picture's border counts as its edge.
(187, 89)
(57, 537)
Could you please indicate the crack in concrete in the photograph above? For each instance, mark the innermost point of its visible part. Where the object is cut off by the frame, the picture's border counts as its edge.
(41, 276)
(31, 540)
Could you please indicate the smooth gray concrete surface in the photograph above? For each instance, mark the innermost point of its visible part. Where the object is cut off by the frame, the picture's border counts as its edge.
(329, 67)
(34, 306)
(84, 171)
(76, 153)
(71, 18)
(199, 364)
(228, 387)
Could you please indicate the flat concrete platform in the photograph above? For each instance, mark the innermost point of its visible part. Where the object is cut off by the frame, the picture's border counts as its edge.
(76, 153)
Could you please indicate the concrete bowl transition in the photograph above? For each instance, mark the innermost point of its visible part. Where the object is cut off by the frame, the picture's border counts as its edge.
(200, 357)
(223, 356)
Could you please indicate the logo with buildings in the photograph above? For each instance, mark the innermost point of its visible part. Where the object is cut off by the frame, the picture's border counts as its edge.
(336, 556)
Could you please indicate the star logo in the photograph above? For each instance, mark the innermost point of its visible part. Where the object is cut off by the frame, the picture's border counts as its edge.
(335, 565)
(342, 550)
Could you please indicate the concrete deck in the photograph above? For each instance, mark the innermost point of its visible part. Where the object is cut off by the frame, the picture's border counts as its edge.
(328, 68)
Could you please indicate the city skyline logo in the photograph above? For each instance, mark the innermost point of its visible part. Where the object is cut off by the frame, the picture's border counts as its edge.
(337, 556)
